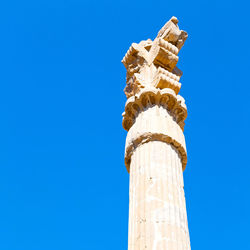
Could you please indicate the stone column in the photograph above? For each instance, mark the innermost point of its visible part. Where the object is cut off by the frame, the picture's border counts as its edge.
(155, 152)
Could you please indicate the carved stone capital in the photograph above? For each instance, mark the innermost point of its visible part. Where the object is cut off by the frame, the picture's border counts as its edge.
(153, 63)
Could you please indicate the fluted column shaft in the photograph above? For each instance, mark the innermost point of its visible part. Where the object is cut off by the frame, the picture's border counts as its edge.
(157, 210)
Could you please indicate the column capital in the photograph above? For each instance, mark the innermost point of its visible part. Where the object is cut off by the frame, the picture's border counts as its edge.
(153, 63)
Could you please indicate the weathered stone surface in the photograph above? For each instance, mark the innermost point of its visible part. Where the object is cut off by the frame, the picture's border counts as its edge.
(155, 151)
(157, 210)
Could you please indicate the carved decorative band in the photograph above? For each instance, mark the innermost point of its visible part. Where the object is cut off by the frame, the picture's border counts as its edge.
(130, 54)
(168, 46)
(169, 74)
(147, 137)
(149, 97)
(165, 79)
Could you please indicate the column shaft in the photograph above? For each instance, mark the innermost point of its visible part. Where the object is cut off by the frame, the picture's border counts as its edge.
(157, 218)
(155, 151)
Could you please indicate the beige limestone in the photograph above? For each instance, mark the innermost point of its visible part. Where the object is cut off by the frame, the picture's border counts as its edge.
(155, 151)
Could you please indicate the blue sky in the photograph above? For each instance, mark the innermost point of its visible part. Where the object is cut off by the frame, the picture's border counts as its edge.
(63, 183)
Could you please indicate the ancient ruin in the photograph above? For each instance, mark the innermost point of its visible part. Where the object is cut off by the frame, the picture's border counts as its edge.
(155, 151)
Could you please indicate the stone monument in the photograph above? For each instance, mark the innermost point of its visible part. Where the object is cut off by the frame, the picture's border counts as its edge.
(155, 151)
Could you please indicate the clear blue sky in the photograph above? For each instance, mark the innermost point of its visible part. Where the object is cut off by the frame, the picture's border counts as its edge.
(63, 183)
